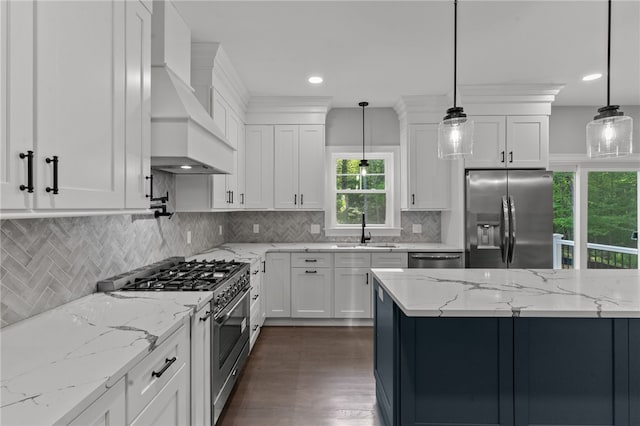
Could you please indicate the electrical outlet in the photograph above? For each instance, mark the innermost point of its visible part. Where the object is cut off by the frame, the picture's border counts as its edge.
(315, 228)
(220, 230)
(188, 237)
(256, 228)
(417, 228)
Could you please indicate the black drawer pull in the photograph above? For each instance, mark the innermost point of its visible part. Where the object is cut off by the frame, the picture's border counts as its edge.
(256, 297)
(29, 157)
(311, 260)
(53, 160)
(295, 199)
(206, 316)
(167, 364)
(255, 327)
(502, 156)
(301, 199)
(511, 156)
(310, 272)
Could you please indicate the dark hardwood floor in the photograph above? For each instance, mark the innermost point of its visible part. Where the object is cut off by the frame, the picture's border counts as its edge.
(306, 376)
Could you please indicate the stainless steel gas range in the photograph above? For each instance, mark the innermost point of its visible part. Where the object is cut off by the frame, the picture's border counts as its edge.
(229, 310)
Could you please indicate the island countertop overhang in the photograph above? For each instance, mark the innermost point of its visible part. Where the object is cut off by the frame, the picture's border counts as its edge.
(513, 292)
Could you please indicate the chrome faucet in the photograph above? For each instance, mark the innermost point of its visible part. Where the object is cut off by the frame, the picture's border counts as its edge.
(363, 239)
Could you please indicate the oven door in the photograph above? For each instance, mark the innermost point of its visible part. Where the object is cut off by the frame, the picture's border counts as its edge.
(230, 334)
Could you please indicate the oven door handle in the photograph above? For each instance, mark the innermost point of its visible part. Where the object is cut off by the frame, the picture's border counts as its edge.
(221, 319)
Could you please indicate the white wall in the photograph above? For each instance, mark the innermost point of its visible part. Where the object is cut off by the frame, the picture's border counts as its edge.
(567, 128)
(344, 127)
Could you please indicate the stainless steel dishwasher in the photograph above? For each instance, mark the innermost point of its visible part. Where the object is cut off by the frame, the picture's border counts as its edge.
(436, 260)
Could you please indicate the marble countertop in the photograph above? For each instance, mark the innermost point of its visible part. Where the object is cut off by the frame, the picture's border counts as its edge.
(590, 293)
(249, 252)
(56, 363)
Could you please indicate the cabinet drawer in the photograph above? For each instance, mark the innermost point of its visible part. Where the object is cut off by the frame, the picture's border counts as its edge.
(353, 260)
(312, 260)
(142, 384)
(389, 260)
(255, 294)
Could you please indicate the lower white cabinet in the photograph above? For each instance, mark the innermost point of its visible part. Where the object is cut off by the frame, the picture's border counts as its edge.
(352, 293)
(201, 367)
(257, 300)
(170, 406)
(389, 260)
(108, 410)
(277, 285)
(158, 386)
(311, 292)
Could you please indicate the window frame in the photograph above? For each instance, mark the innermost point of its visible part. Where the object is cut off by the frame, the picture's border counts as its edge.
(390, 155)
(581, 166)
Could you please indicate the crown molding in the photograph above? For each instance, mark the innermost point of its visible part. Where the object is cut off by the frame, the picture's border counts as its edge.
(416, 109)
(288, 109)
(517, 99)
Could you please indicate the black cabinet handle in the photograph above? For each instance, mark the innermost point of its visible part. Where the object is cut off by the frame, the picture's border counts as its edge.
(29, 157)
(295, 199)
(255, 327)
(53, 160)
(311, 260)
(511, 156)
(367, 281)
(150, 179)
(264, 266)
(206, 316)
(167, 364)
(413, 199)
(301, 199)
(231, 197)
(255, 297)
(310, 272)
(242, 198)
(502, 156)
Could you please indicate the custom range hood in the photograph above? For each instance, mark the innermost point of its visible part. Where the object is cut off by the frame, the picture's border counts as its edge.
(184, 137)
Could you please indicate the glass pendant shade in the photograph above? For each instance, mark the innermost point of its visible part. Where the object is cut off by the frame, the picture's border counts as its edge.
(455, 135)
(363, 167)
(610, 134)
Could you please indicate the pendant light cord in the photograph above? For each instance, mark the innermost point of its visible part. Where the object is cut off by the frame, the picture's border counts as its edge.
(609, 56)
(455, 49)
(363, 131)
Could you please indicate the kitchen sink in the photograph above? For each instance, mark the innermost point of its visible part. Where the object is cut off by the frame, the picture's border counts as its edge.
(364, 246)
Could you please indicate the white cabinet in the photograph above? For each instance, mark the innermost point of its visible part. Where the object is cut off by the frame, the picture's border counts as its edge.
(108, 410)
(259, 157)
(352, 286)
(170, 406)
(16, 107)
(510, 141)
(256, 300)
(90, 62)
(277, 285)
(163, 375)
(311, 292)
(429, 177)
(389, 260)
(201, 367)
(299, 166)
(138, 105)
(228, 190)
(80, 76)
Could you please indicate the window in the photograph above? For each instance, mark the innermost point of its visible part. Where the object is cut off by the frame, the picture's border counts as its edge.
(563, 207)
(353, 194)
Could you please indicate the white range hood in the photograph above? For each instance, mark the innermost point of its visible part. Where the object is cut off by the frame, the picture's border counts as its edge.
(182, 132)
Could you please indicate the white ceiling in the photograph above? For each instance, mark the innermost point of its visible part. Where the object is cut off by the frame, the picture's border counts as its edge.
(381, 50)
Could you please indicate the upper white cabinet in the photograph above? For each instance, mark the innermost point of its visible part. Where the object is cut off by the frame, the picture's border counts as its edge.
(259, 158)
(76, 79)
(138, 105)
(510, 141)
(299, 166)
(429, 182)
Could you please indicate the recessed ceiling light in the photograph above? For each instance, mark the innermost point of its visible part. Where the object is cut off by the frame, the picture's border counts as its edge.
(591, 77)
(315, 79)
(185, 167)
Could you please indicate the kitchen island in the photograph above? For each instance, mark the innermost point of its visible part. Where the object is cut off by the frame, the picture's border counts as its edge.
(507, 347)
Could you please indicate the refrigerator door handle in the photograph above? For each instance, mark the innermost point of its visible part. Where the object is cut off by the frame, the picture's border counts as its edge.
(512, 233)
(505, 228)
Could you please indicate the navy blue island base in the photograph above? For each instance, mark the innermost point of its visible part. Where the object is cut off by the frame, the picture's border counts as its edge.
(505, 371)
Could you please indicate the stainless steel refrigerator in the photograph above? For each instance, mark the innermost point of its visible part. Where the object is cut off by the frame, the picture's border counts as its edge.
(509, 219)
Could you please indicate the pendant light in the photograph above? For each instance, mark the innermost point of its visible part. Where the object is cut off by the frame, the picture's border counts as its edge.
(363, 163)
(610, 132)
(455, 131)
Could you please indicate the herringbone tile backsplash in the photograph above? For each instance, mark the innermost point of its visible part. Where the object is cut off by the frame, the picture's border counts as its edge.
(48, 262)
(288, 226)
